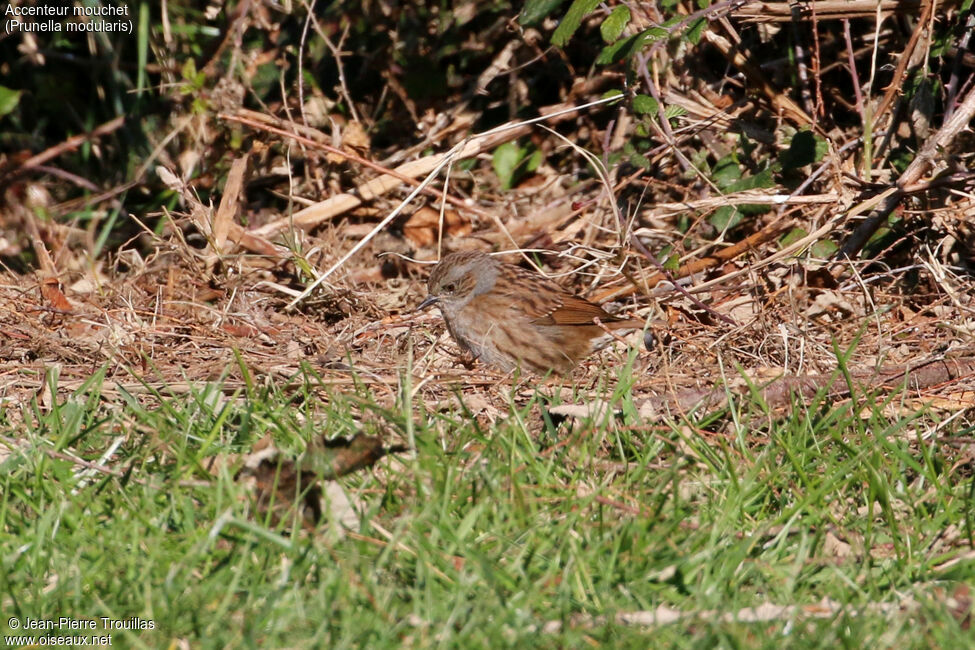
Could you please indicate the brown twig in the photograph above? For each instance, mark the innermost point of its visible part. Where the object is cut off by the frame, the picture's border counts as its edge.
(823, 10)
(227, 209)
(766, 234)
(314, 144)
(920, 165)
(70, 144)
(780, 391)
(902, 61)
(780, 102)
(235, 26)
(324, 210)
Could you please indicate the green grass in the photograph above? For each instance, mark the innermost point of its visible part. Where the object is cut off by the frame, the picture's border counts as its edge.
(496, 530)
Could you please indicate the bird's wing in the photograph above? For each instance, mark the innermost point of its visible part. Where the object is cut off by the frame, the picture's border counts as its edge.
(575, 311)
(550, 304)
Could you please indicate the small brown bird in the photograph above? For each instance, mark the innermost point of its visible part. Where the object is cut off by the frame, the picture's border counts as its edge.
(506, 316)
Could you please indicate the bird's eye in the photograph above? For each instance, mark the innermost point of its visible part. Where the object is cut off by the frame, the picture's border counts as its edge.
(450, 287)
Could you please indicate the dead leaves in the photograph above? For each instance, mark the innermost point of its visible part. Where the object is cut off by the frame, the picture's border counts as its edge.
(281, 490)
(423, 227)
(337, 457)
(303, 490)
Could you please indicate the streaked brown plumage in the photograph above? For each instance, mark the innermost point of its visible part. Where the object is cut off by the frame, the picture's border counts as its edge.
(507, 316)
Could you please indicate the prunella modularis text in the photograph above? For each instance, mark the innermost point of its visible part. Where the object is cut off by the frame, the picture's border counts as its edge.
(505, 315)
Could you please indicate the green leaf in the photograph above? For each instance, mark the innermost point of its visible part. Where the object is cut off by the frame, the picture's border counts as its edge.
(696, 29)
(673, 263)
(505, 160)
(725, 217)
(761, 180)
(639, 160)
(613, 26)
(573, 18)
(699, 161)
(824, 249)
(726, 171)
(673, 111)
(792, 237)
(612, 93)
(644, 104)
(536, 10)
(805, 149)
(633, 156)
(901, 158)
(625, 48)
(9, 98)
(619, 50)
(727, 176)
(189, 69)
(511, 162)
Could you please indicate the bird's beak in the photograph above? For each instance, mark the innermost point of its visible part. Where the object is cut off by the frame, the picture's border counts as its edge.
(429, 300)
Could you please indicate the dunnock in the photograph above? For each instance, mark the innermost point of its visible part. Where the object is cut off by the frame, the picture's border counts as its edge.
(506, 316)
